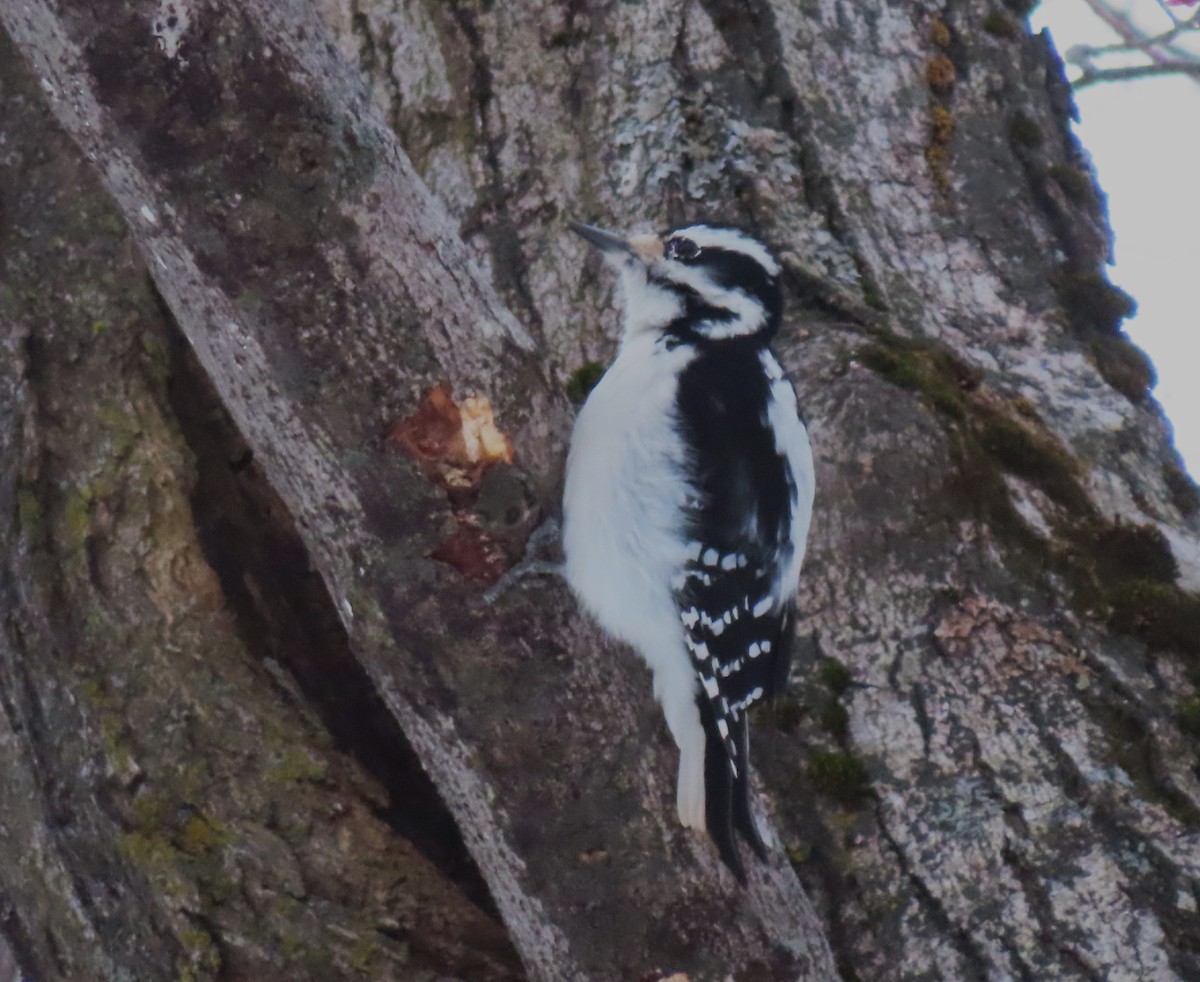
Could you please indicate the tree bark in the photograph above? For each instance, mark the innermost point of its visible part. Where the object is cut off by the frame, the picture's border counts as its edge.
(245, 541)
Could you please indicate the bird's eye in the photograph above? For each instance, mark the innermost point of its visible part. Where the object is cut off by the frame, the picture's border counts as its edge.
(685, 250)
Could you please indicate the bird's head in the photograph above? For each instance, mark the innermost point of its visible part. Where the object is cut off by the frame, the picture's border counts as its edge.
(698, 283)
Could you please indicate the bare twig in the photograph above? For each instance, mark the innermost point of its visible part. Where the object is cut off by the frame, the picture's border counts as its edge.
(1095, 75)
(1164, 54)
(1148, 44)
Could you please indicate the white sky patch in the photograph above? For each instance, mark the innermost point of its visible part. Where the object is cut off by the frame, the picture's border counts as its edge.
(1143, 139)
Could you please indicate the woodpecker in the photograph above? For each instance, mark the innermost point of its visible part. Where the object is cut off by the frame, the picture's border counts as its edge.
(688, 498)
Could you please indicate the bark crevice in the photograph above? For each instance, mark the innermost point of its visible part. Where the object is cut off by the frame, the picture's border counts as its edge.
(492, 216)
(285, 615)
(975, 960)
(753, 38)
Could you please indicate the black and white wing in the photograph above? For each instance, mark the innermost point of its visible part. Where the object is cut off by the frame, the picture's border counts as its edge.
(752, 471)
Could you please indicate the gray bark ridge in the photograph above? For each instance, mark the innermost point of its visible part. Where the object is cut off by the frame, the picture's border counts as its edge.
(324, 290)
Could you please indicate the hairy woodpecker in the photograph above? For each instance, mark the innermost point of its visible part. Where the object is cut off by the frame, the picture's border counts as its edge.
(688, 496)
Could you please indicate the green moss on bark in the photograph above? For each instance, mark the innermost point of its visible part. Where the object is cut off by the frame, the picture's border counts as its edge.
(922, 367)
(839, 775)
(785, 713)
(1025, 132)
(1162, 615)
(1074, 182)
(835, 676)
(1133, 552)
(1093, 305)
(583, 380)
(999, 24)
(833, 718)
(1123, 365)
(1187, 714)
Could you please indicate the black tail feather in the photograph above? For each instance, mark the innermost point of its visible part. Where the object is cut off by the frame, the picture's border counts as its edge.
(718, 792)
(743, 819)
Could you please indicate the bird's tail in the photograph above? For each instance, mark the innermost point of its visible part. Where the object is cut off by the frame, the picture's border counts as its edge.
(727, 788)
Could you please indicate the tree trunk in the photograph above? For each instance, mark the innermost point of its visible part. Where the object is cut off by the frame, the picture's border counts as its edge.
(264, 448)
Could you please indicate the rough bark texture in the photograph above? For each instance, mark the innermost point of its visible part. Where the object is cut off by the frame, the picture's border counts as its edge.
(223, 627)
(324, 290)
(9, 971)
(173, 803)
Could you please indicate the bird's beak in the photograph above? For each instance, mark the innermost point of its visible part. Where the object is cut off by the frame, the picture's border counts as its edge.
(602, 240)
(647, 248)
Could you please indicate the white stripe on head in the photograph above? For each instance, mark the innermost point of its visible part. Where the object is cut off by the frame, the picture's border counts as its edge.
(749, 315)
(730, 239)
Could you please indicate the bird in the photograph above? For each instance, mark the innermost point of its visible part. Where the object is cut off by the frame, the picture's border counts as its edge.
(687, 502)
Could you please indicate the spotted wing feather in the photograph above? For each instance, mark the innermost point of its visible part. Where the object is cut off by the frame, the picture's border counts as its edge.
(735, 592)
(733, 627)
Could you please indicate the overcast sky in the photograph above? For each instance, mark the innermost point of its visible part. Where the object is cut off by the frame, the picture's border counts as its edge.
(1144, 138)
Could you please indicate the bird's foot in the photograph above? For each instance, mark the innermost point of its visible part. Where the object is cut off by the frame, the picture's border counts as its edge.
(542, 541)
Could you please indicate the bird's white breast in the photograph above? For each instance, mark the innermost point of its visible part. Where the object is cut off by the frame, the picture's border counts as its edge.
(623, 507)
